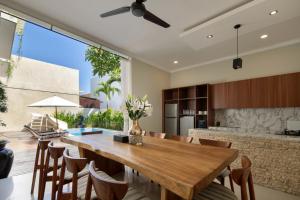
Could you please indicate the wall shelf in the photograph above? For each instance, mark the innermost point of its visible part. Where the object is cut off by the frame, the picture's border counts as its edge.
(195, 98)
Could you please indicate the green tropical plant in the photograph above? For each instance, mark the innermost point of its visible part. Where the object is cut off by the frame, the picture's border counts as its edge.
(115, 76)
(108, 90)
(71, 119)
(103, 62)
(3, 102)
(109, 119)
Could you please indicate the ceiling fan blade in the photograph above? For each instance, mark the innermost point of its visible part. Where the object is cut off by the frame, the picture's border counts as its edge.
(116, 12)
(140, 1)
(154, 19)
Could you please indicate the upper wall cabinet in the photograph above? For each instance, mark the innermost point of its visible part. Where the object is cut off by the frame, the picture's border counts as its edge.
(267, 92)
(290, 90)
(220, 96)
(238, 94)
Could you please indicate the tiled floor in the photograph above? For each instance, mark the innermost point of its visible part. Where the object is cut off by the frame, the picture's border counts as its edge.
(18, 188)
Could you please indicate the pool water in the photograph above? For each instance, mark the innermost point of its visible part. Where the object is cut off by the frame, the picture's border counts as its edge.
(79, 131)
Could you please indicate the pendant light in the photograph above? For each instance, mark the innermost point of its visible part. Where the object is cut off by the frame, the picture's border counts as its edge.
(238, 62)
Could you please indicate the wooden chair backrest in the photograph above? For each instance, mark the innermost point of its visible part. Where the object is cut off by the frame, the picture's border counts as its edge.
(73, 165)
(216, 143)
(55, 152)
(43, 144)
(156, 135)
(106, 189)
(242, 176)
(186, 139)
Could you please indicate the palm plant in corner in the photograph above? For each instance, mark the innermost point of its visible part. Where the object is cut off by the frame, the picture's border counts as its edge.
(136, 108)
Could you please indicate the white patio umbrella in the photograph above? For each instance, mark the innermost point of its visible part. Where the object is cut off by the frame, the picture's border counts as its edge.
(55, 102)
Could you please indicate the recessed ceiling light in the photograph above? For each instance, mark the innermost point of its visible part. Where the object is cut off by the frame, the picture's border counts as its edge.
(175, 62)
(273, 12)
(263, 36)
(210, 36)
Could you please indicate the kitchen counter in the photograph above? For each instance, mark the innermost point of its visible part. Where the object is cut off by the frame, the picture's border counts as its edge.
(235, 132)
(275, 158)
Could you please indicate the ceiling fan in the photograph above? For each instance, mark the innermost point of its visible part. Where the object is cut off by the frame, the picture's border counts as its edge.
(138, 9)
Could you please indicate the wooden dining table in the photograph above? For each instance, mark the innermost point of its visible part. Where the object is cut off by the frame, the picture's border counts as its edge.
(181, 169)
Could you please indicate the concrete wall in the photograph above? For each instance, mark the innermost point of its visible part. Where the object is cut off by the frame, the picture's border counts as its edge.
(277, 61)
(149, 80)
(32, 81)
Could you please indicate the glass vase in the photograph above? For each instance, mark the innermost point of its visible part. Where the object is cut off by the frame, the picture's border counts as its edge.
(135, 133)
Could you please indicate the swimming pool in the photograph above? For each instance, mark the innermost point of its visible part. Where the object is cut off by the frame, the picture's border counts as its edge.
(79, 131)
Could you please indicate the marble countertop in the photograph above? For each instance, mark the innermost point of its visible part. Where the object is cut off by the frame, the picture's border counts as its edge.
(235, 133)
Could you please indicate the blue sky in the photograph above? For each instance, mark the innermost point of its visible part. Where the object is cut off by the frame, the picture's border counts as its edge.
(44, 45)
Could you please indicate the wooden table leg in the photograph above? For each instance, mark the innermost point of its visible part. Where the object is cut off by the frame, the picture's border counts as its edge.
(163, 193)
(109, 166)
(168, 195)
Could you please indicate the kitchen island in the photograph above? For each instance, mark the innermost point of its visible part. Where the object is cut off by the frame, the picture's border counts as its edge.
(275, 158)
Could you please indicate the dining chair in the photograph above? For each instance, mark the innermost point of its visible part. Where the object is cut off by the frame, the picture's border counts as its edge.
(179, 138)
(79, 178)
(156, 135)
(226, 172)
(107, 188)
(39, 163)
(241, 177)
(54, 153)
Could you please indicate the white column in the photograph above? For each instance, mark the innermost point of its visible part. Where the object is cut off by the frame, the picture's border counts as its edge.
(126, 86)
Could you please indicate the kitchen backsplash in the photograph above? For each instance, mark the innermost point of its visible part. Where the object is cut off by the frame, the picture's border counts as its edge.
(263, 120)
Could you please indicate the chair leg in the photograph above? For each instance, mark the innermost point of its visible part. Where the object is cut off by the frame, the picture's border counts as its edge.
(88, 188)
(42, 180)
(54, 180)
(230, 179)
(231, 183)
(61, 181)
(36, 162)
(222, 180)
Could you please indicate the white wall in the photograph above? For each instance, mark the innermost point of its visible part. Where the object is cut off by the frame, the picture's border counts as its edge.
(149, 80)
(277, 61)
(37, 80)
(7, 33)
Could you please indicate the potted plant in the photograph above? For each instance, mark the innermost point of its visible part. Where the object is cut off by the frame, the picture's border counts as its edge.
(136, 108)
(6, 155)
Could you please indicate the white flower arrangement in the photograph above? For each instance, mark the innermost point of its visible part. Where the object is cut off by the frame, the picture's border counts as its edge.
(137, 107)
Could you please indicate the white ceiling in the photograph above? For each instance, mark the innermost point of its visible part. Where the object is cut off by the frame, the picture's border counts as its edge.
(191, 21)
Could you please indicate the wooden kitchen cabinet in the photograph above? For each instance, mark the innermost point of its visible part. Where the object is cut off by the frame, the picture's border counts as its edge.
(239, 94)
(231, 95)
(266, 92)
(219, 93)
(290, 90)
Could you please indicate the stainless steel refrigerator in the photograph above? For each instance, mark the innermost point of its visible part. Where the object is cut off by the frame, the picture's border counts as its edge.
(171, 122)
(186, 123)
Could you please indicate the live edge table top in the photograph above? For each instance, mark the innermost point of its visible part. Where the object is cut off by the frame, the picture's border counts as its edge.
(181, 168)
